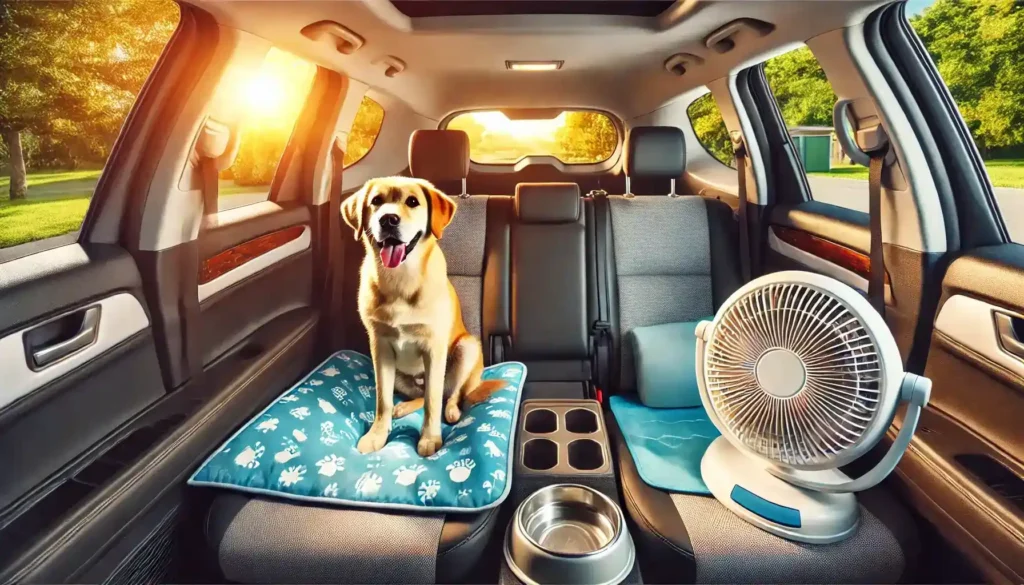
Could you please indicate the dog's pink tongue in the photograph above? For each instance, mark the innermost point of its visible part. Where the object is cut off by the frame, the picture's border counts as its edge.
(392, 256)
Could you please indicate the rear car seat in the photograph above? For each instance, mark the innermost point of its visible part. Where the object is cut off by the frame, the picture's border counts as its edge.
(550, 329)
(258, 540)
(674, 259)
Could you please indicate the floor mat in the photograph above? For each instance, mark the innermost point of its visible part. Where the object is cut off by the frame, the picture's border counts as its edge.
(666, 444)
(303, 446)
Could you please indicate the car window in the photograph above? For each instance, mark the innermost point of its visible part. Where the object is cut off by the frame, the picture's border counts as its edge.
(709, 127)
(805, 98)
(977, 48)
(364, 131)
(272, 98)
(573, 137)
(69, 74)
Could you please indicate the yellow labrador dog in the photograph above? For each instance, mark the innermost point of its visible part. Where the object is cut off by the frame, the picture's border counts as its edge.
(419, 344)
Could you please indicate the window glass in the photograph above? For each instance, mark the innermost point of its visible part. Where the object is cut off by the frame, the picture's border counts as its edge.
(977, 48)
(364, 131)
(710, 129)
(806, 99)
(573, 137)
(272, 99)
(69, 74)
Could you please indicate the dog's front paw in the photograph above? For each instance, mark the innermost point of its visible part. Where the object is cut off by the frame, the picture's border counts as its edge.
(373, 440)
(428, 445)
(452, 414)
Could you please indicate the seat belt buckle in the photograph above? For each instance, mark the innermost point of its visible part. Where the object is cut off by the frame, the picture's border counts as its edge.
(600, 328)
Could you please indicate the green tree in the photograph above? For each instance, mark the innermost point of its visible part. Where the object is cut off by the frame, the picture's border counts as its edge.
(804, 95)
(365, 128)
(708, 125)
(586, 137)
(70, 71)
(977, 48)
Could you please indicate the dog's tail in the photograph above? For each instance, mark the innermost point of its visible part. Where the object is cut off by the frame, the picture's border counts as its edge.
(483, 391)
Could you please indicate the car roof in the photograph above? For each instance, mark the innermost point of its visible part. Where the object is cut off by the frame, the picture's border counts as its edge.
(614, 56)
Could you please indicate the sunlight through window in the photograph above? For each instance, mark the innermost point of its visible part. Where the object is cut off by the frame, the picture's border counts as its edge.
(573, 137)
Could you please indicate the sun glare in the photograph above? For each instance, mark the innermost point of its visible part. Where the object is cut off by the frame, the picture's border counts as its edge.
(275, 93)
(498, 123)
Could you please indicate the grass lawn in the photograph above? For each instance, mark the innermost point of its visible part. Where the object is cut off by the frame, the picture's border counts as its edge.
(1003, 173)
(56, 204)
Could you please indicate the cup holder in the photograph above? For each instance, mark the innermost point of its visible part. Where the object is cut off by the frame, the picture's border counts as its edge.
(585, 454)
(581, 421)
(541, 421)
(540, 454)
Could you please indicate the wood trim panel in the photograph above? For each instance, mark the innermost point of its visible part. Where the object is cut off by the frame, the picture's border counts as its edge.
(231, 259)
(857, 262)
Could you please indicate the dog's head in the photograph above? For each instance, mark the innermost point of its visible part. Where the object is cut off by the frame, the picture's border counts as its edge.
(395, 214)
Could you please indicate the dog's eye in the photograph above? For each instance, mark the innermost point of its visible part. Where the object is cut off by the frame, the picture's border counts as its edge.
(412, 202)
(378, 200)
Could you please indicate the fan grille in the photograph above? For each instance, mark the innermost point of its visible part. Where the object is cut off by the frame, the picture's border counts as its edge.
(839, 399)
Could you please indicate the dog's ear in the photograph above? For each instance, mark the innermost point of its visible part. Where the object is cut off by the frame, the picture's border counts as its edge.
(353, 206)
(442, 208)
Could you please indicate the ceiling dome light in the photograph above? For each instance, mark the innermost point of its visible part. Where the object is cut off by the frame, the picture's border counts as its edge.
(533, 65)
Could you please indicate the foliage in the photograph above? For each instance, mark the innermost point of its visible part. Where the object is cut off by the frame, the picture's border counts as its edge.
(586, 137)
(573, 137)
(804, 95)
(70, 71)
(710, 128)
(977, 47)
(365, 128)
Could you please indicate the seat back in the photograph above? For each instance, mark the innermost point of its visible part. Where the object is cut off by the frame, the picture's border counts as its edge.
(550, 328)
(475, 244)
(674, 259)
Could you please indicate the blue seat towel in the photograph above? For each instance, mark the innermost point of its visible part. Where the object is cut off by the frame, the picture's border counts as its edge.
(667, 444)
(303, 447)
(664, 355)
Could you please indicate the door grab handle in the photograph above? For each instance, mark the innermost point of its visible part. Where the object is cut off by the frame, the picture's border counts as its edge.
(85, 337)
(1008, 340)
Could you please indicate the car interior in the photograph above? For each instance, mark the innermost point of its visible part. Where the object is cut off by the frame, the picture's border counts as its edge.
(130, 352)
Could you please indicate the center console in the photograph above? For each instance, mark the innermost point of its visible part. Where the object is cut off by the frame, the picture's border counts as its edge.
(568, 526)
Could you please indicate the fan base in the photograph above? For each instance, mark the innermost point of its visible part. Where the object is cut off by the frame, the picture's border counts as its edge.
(773, 505)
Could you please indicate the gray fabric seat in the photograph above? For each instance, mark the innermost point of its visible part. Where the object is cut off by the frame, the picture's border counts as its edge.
(675, 260)
(263, 540)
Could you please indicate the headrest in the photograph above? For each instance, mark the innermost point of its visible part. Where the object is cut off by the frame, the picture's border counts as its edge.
(655, 151)
(548, 202)
(439, 155)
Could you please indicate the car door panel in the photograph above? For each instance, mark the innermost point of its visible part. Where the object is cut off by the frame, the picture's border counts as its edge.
(145, 467)
(965, 468)
(52, 416)
(256, 265)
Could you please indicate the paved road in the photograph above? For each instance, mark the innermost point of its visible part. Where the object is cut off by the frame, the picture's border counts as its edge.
(853, 193)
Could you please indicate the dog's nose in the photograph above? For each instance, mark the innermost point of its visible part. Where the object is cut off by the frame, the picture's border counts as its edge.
(389, 220)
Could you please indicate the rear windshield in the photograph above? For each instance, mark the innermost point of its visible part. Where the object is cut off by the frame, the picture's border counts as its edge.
(573, 137)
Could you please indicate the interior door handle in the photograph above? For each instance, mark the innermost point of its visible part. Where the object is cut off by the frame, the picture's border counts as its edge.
(84, 337)
(1007, 333)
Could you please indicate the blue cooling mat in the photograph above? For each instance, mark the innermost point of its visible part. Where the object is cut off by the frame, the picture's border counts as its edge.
(667, 444)
(303, 447)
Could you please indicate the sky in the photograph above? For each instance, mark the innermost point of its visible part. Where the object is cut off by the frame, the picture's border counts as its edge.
(916, 6)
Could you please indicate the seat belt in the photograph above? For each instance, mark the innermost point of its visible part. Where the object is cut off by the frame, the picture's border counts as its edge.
(601, 328)
(739, 149)
(334, 283)
(876, 281)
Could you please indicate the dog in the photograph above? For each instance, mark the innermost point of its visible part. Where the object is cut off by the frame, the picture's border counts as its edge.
(418, 341)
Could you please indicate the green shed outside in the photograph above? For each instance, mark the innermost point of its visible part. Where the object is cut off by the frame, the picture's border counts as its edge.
(814, 147)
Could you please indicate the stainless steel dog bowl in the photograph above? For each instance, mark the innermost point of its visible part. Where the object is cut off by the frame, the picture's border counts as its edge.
(565, 534)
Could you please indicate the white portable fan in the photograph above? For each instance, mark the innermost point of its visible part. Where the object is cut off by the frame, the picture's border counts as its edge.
(802, 376)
